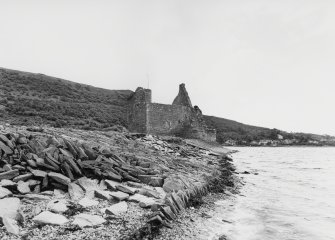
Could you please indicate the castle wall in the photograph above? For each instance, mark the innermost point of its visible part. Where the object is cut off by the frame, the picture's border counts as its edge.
(179, 119)
(137, 116)
(166, 119)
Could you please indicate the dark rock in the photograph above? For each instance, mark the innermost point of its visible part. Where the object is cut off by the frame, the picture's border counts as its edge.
(89, 152)
(171, 204)
(9, 174)
(168, 212)
(19, 167)
(7, 150)
(177, 201)
(8, 184)
(22, 140)
(145, 178)
(36, 197)
(23, 177)
(60, 178)
(126, 189)
(134, 184)
(111, 185)
(37, 189)
(104, 195)
(156, 181)
(156, 220)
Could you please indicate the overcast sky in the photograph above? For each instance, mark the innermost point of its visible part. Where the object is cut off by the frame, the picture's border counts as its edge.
(268, 62)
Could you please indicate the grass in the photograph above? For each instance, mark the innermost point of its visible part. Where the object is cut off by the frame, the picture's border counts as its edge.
(34, 99)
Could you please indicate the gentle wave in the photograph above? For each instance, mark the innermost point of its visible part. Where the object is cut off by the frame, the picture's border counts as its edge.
(291, 198)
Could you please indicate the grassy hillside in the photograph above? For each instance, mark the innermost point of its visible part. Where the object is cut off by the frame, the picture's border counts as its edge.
(27, 98)
(229, 129)
(245, 134)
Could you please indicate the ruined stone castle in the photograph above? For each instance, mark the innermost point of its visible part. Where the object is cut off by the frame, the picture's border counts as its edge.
(179, 119)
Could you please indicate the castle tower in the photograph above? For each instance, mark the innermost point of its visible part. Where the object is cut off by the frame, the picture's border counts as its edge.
(138, 110)
(182, 98)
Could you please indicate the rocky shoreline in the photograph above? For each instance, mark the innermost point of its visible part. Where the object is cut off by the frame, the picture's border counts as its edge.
(71, 184)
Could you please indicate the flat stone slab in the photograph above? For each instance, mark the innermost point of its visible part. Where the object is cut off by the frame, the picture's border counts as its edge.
(47, 217)
(23, 177)
(4, 192)
(104, 195)
(39, 173)
(60, 178)
(88, 220)
(126, 189)
(57, 206)
(88, 184)
(23, 187)
(9, 174)
(87, 202)
(149, 193)
(11, 225)
(119, 195)
(137, 198)
(8, 184)
(75, 191)
(38, 197)
(117, 209)
(111, 184)
(9, 207)
(148, 202)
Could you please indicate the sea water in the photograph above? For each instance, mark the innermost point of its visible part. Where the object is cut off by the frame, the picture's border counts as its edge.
(288, 195)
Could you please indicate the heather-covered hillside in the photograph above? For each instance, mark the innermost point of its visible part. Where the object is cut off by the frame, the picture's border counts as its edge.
(27, 98)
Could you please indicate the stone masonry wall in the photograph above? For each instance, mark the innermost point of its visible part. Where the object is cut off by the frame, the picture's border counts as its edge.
(166, 119)
(137, 110)
(179, 119)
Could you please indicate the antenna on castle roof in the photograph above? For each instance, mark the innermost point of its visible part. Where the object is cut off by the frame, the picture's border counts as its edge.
(148, 80)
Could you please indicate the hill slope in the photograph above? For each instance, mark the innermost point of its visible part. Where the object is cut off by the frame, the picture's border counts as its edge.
(28, 98)
(229, 129)
(35, 99)
(243, 134)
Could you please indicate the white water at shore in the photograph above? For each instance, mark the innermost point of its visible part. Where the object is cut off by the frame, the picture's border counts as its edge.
(291, 198)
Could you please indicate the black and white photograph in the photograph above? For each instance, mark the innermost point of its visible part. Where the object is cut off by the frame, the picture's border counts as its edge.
(167, 119)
